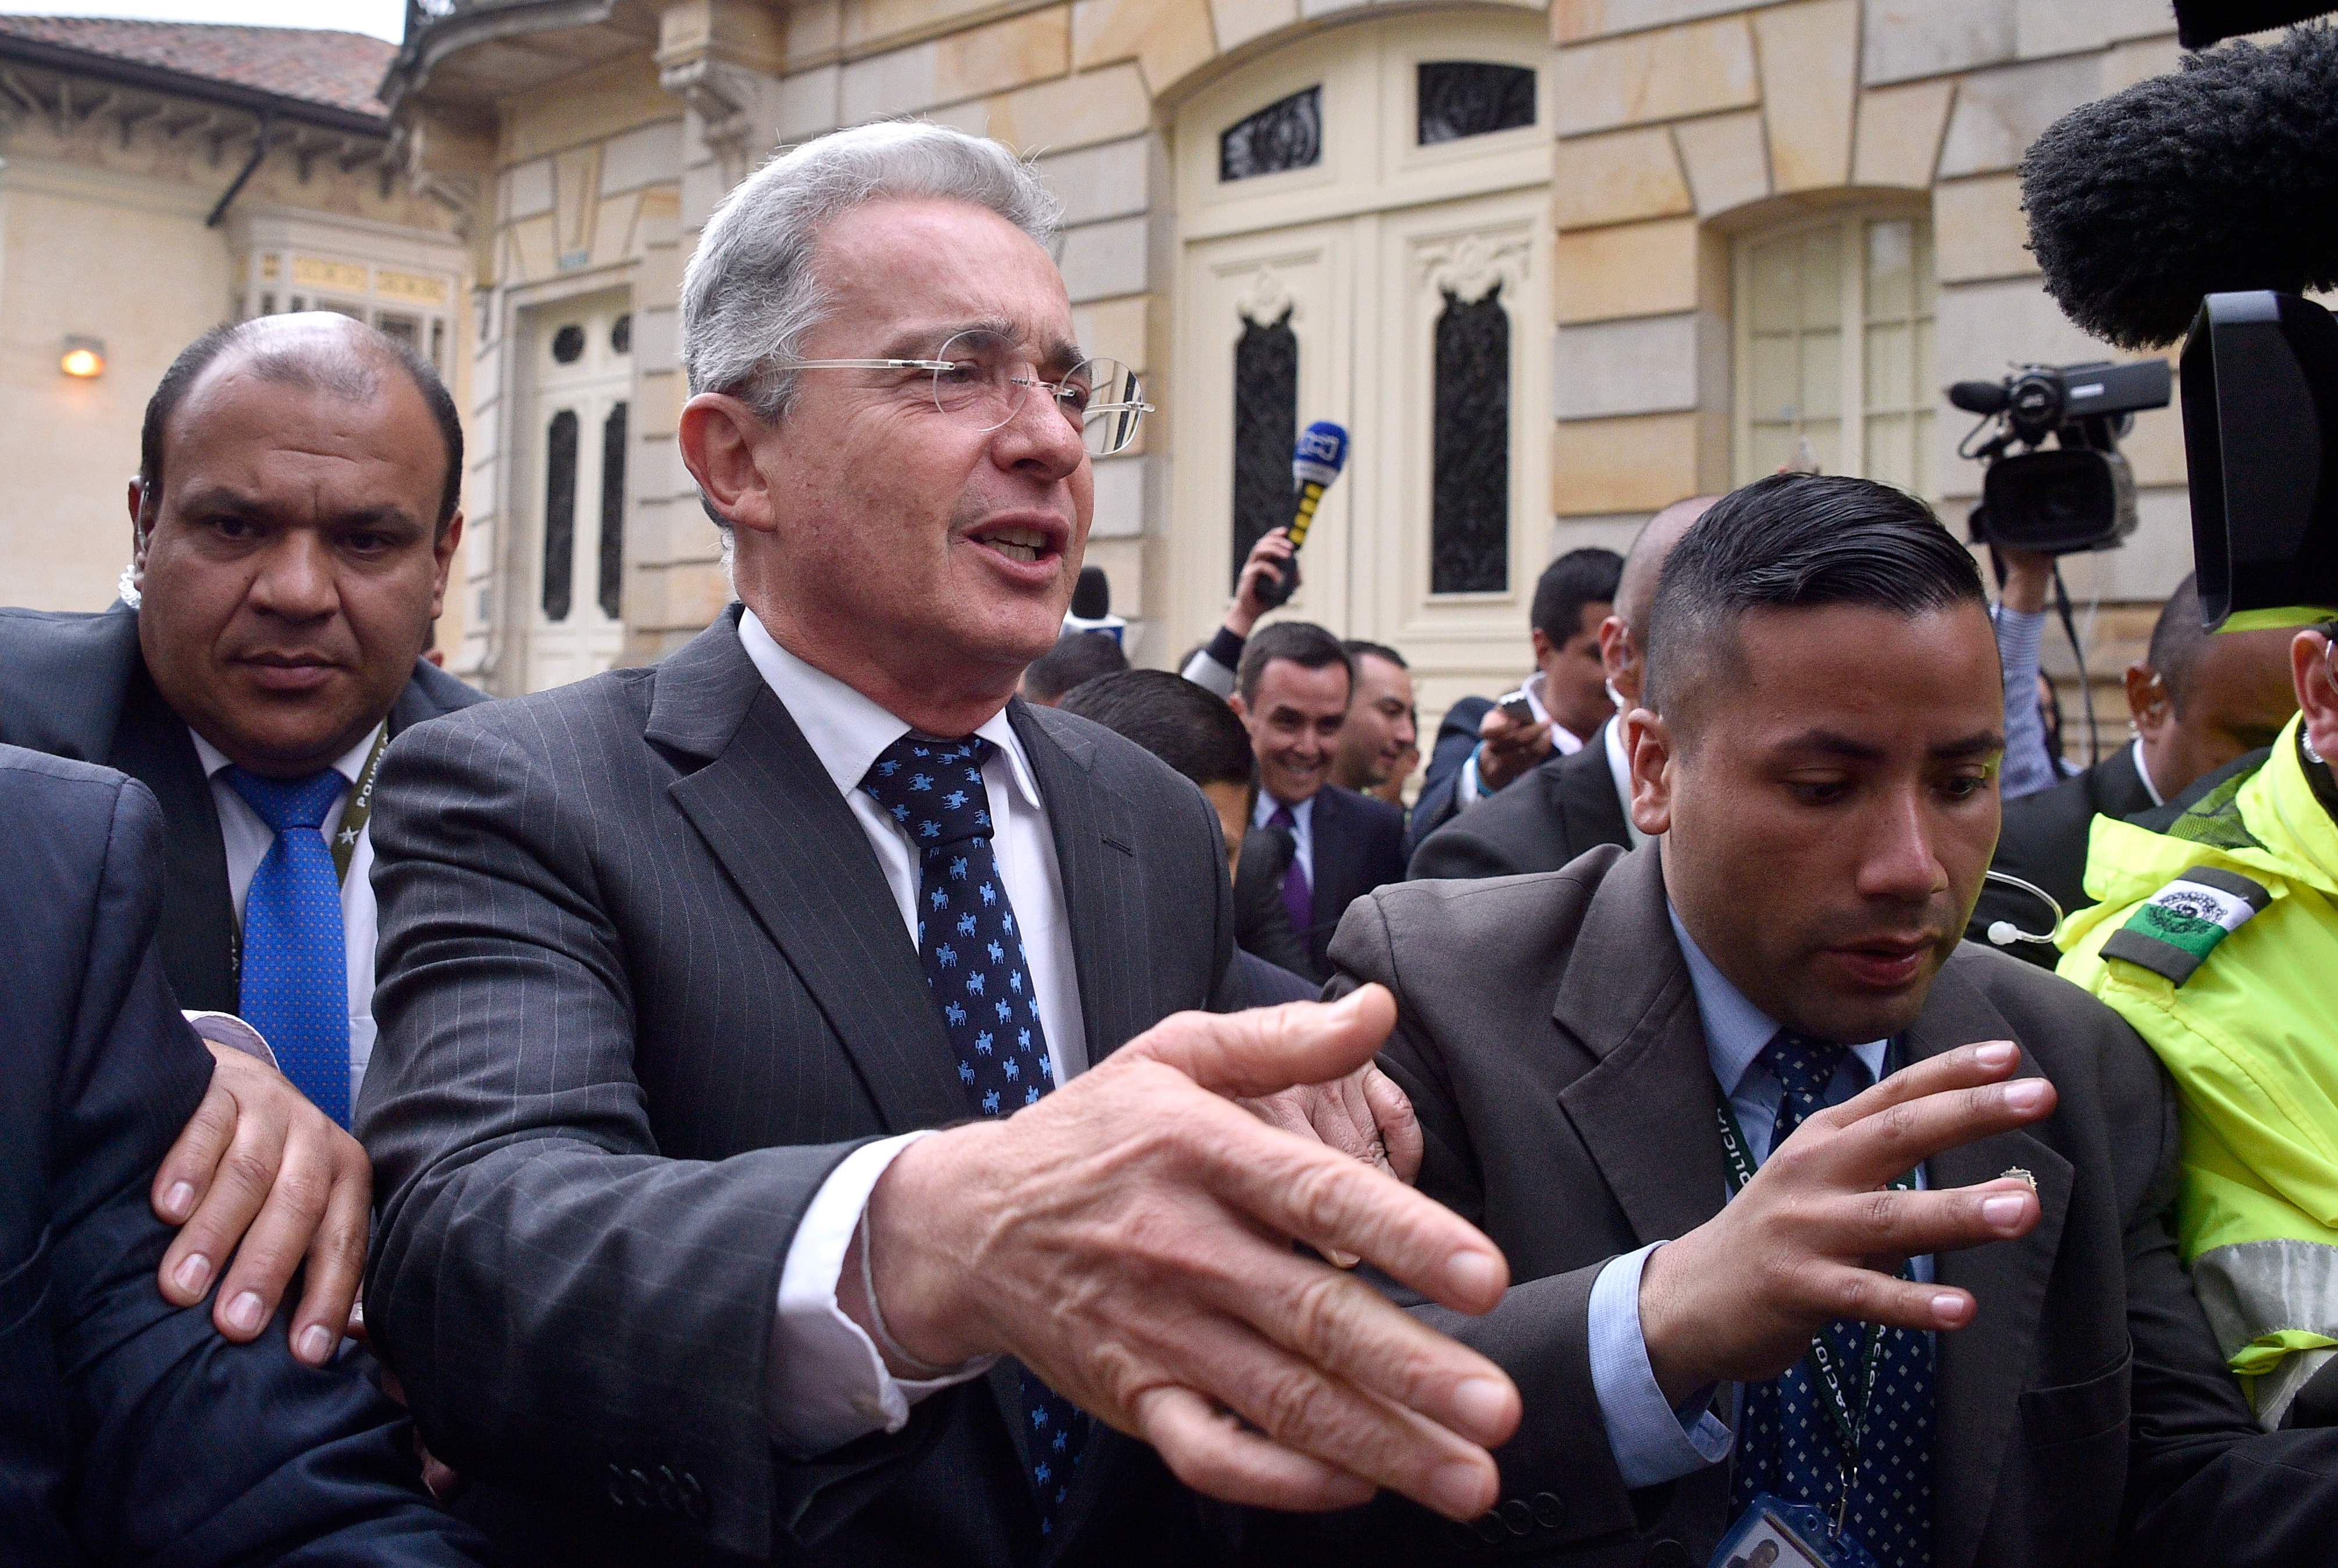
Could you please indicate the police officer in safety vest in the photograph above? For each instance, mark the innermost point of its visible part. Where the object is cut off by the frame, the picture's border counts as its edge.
(2216, 939)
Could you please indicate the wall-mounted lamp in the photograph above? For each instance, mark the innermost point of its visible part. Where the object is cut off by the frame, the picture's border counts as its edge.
(84, 358)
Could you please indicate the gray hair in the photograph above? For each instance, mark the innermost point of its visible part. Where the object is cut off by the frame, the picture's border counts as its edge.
(750, 295)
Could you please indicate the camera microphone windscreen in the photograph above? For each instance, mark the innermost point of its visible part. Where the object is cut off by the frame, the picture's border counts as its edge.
(2200, 23)
(1980, 396)
(1092, 598)
(2222, 176)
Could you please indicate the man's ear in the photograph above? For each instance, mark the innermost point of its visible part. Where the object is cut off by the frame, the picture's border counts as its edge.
(442, 553)
(717, 434)
(1615, 647)
(2310, 655)
(2146, 701)
(137, 534)
(1649, 746)
(1242, 708)
(1542, 648)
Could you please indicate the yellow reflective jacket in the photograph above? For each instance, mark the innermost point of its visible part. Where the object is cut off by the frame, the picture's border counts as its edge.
(2217, 941)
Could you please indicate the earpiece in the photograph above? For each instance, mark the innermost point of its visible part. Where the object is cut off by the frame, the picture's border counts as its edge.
(2005, 933)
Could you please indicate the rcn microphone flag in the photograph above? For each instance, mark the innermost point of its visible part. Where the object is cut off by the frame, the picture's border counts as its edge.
(1315, 462)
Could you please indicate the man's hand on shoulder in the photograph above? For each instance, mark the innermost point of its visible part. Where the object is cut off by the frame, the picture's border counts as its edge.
(261, 1175)
(1128, 1237)
(1364, 1115)
(1816, 1236)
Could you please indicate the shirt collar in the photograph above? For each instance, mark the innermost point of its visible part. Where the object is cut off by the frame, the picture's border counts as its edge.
(2143, 771)
(348, 764)
(846, 730)
(1619, 769)
(1735, 1030)
(1264, 811)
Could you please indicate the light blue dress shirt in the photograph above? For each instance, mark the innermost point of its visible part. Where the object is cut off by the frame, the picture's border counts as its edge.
(1654, 1442)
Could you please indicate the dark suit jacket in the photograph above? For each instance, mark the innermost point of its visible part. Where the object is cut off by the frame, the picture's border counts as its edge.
(130, 1432)
(1563, 807)
(1261, 925)
(1457, 737)
(76, 686)
(2044, 840)
(1359, 846)
(1550, 1039)
(643, 987)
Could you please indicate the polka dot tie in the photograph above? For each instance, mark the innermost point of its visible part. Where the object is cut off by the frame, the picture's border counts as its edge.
(1787, 1442)
(295, 977)
(975, 966)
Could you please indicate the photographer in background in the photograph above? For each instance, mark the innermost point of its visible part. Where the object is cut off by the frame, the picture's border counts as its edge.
(1482, 746)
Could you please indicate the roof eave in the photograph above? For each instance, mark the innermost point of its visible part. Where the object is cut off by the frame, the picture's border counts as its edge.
(159, 79)
(431, 40)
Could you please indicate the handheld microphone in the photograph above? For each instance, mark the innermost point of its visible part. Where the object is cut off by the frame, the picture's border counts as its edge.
(1315, 463)
(1092, 607)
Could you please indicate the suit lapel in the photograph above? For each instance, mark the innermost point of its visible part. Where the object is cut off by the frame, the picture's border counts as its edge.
(1588, 798)
(151, 743)
(1334, 886)
(1644, 1111)
(1095, 856)
(1985, 1366)
(771, 815)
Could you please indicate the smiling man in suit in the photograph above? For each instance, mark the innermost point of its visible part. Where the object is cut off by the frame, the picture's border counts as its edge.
(1293, 693)
(788, 1148)
(1753, 1126)
(295, 511)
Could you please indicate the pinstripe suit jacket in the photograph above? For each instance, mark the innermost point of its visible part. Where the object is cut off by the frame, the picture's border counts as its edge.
(644, 986)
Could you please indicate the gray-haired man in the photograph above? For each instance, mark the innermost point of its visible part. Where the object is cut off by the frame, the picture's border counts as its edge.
(683, 965)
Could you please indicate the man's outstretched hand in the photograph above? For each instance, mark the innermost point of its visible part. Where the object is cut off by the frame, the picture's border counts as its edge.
(1128, 1237)
(1816, 1235)
(260, 1175)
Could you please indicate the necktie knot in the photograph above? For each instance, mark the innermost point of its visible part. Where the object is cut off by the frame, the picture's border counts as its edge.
(282, 803)
(933, 788)
(1283, 818)
(1803, 1068)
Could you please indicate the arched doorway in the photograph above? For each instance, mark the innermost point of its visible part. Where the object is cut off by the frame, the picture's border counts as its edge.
(1364, 225)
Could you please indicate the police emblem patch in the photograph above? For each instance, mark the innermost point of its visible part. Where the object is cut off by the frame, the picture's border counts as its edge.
(2178, 927)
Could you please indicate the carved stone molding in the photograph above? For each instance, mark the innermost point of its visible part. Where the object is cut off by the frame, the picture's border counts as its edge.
(724, 97)
(1268, 299)
(1469, 267)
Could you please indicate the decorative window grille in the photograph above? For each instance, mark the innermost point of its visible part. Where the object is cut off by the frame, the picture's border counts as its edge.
(613, 509)
(1266, 427)
(559, 512)
(1458, 98)
(1288, 133)
(1469, 510)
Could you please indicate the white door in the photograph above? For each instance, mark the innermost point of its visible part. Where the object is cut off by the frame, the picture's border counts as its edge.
(1365, 217)
(572, 485)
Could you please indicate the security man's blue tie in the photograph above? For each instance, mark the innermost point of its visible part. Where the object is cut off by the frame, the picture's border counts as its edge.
(1788, 1444)
(295, 980)
(972, 952)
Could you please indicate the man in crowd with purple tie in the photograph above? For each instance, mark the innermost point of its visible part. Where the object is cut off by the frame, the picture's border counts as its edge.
(1293, 691)
(293, 517)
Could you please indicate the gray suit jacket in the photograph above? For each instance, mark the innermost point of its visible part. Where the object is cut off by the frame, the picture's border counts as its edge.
(1563, 807)
(1550, 1041)
(644, 986)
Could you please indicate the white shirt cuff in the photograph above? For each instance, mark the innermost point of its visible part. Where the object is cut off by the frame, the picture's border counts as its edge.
(827, 1384)
(1653, 1442)
(1467, 789)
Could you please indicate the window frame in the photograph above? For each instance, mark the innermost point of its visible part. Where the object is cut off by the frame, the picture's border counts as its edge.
(1850, 224)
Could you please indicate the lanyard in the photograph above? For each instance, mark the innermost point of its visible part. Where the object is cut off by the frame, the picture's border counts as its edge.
(354, 817)
(1851, 1424)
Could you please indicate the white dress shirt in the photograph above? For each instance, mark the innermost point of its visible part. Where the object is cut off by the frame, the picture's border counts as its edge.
(827, 1383)
(248, 839)
(1302, 828)
(1565, 742)
(1619, 769)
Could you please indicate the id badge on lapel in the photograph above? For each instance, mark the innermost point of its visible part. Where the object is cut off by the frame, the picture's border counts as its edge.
(1774, 1534)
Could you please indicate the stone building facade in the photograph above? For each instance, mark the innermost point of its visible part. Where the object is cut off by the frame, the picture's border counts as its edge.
(1553, 264)
(157, 179)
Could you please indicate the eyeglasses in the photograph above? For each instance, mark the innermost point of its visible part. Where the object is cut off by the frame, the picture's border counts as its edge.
(980, 381)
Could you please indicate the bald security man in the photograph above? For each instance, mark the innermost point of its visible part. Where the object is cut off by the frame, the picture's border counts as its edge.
(291, 522)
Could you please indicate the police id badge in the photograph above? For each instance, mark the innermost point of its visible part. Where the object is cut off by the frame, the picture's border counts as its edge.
(1776, 1533)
